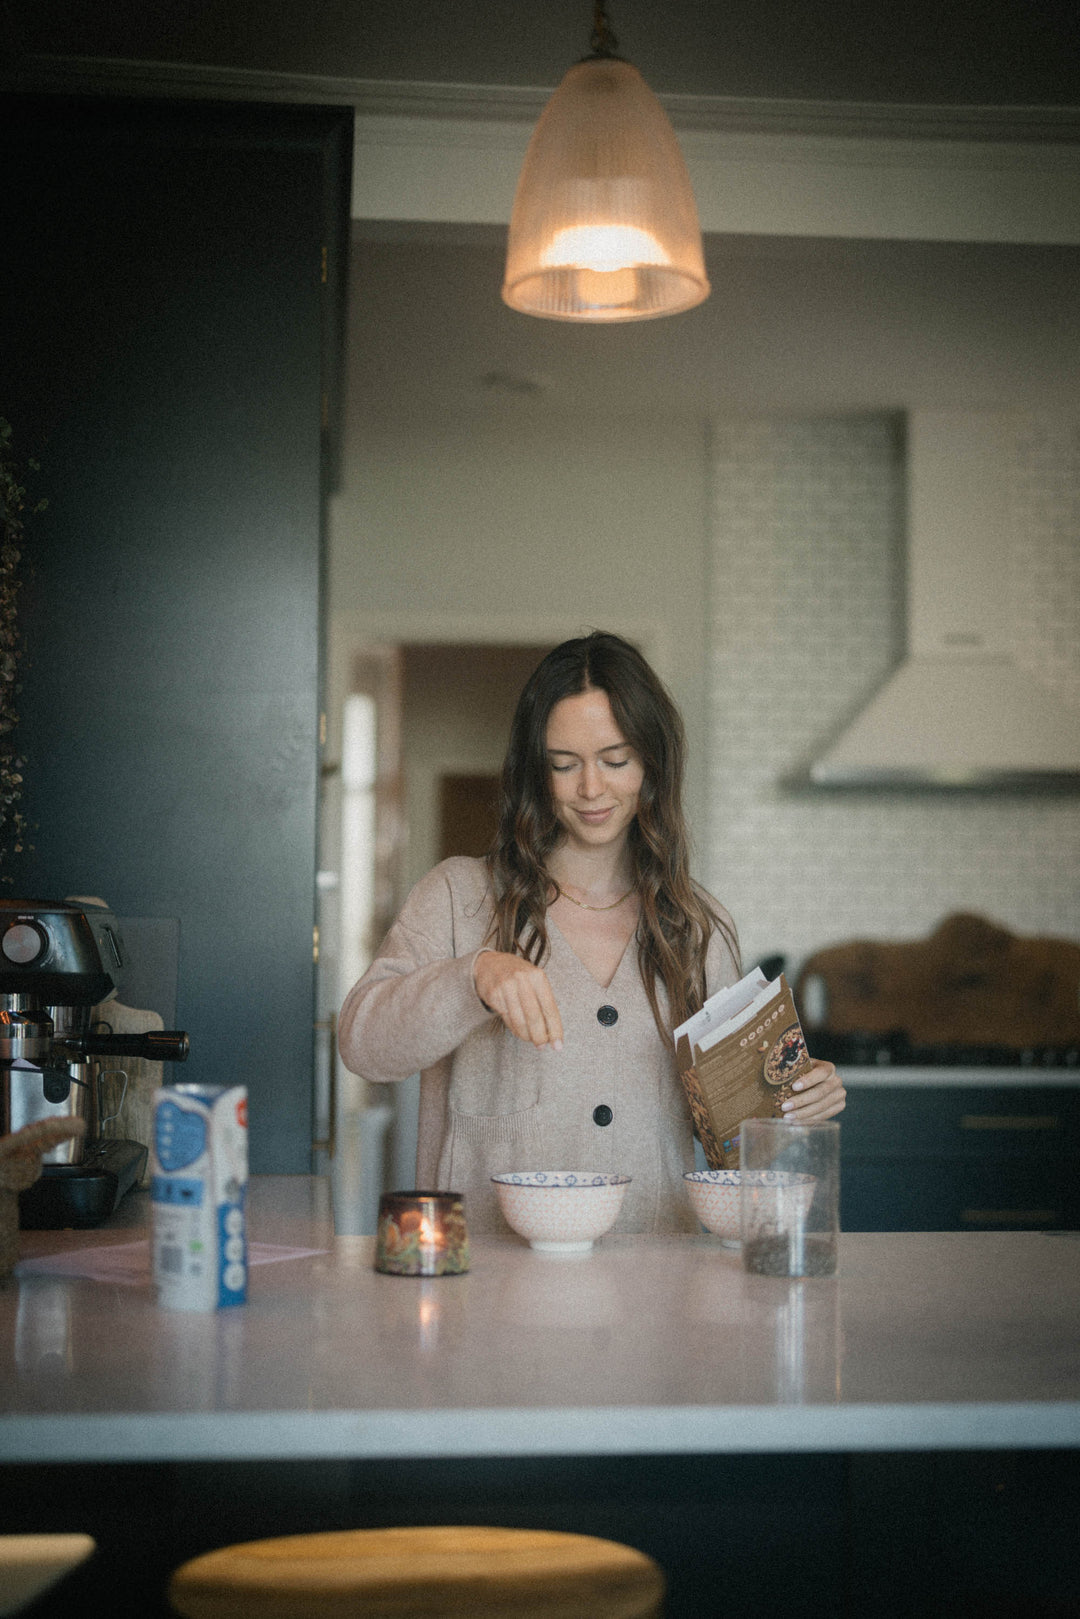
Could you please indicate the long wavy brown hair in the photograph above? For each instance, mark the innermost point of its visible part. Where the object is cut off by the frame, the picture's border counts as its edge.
(676, 920)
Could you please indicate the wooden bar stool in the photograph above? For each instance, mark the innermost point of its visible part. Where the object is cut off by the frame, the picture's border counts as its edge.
(440, 1573)
(31, 1564)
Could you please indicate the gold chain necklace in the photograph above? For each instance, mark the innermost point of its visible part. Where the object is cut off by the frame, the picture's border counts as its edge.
(585, 907)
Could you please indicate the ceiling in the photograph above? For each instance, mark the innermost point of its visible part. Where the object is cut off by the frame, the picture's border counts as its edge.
(977, 52)
(792, 324)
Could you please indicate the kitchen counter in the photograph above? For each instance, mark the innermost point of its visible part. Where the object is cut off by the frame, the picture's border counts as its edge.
(924, 1341)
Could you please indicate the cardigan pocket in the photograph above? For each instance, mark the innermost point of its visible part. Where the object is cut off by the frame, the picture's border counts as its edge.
(485, 1144)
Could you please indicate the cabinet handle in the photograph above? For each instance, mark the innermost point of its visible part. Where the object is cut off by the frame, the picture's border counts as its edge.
(1010, 1216)
(1009, 1121)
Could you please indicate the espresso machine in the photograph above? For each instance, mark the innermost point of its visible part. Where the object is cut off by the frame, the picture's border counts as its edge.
(58, 961)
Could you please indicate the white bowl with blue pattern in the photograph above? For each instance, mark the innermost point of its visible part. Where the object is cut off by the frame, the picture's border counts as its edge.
(560, 1211)
(716, 1196)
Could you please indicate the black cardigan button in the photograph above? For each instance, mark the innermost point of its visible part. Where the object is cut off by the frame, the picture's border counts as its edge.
(607, 1015)
(602, 1114)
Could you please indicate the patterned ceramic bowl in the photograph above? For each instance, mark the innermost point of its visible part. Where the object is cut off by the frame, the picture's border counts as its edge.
(560, 1211)
(716, 1195)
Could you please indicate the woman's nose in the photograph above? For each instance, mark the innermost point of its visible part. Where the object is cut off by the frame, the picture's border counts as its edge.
(591, 784)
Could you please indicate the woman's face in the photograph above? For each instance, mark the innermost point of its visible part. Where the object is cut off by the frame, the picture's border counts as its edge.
(595, 773)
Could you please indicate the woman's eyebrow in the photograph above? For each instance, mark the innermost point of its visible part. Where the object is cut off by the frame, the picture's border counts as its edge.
(609, 747)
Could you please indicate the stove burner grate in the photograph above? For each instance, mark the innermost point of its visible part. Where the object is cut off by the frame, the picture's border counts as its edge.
(866, 1049)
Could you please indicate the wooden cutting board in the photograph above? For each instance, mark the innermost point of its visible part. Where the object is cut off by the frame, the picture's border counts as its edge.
(971, 982)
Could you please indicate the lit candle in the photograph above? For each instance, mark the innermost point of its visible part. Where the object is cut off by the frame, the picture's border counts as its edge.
(421, 1234)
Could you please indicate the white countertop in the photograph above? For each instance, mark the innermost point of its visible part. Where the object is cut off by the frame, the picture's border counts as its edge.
(647, 1345)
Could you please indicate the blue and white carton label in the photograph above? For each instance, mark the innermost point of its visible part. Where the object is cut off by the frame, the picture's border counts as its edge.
(198, 1191)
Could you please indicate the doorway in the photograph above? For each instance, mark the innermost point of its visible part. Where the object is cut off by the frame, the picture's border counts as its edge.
(419, 730)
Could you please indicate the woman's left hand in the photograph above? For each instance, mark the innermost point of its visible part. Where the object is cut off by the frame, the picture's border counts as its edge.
(819, 1093)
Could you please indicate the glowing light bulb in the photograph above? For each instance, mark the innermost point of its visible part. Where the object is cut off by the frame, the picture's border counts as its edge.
(602, 248)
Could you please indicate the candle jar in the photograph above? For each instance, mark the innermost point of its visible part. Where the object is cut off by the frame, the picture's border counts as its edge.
(422, 1234)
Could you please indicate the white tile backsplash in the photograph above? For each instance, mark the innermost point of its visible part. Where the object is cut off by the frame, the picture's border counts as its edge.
(807, 618)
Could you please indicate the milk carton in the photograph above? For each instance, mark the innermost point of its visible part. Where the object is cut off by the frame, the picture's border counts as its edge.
(198, 1187)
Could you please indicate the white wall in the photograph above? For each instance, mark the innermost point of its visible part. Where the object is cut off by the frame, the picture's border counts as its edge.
(806, 621)
(510, 526)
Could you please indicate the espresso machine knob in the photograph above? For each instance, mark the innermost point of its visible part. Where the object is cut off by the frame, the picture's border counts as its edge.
(23, 942)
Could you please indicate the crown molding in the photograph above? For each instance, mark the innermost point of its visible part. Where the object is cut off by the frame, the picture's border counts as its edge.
(450, 154)
(512, 104)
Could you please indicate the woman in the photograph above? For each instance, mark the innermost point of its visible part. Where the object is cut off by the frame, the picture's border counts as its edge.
(536, 990)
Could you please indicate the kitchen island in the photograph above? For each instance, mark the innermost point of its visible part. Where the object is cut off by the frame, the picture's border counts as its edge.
(650, 1390)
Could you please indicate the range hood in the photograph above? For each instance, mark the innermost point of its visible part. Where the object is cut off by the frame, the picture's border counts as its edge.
(958, 712)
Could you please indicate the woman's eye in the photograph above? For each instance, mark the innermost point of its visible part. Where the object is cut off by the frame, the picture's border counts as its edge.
(573, 764)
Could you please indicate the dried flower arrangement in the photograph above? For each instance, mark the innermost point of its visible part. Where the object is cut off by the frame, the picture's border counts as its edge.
(13, 506)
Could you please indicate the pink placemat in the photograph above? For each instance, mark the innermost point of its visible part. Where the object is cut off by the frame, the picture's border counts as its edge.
(129, 1262)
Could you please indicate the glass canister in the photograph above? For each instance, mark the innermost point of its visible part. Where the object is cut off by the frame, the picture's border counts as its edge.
(790, 1197)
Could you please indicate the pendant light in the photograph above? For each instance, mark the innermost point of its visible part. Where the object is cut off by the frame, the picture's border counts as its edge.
(604, 225)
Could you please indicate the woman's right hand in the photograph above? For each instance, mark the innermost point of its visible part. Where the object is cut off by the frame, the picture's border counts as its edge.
(519, 993)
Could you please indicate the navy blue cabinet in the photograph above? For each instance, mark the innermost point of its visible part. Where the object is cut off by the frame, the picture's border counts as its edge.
(171, 322)
(960, 1158)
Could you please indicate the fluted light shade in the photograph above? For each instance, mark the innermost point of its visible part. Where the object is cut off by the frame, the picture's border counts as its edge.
(604, 225)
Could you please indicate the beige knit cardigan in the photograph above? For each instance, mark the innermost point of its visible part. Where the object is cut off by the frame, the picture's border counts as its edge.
(491, 1103)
